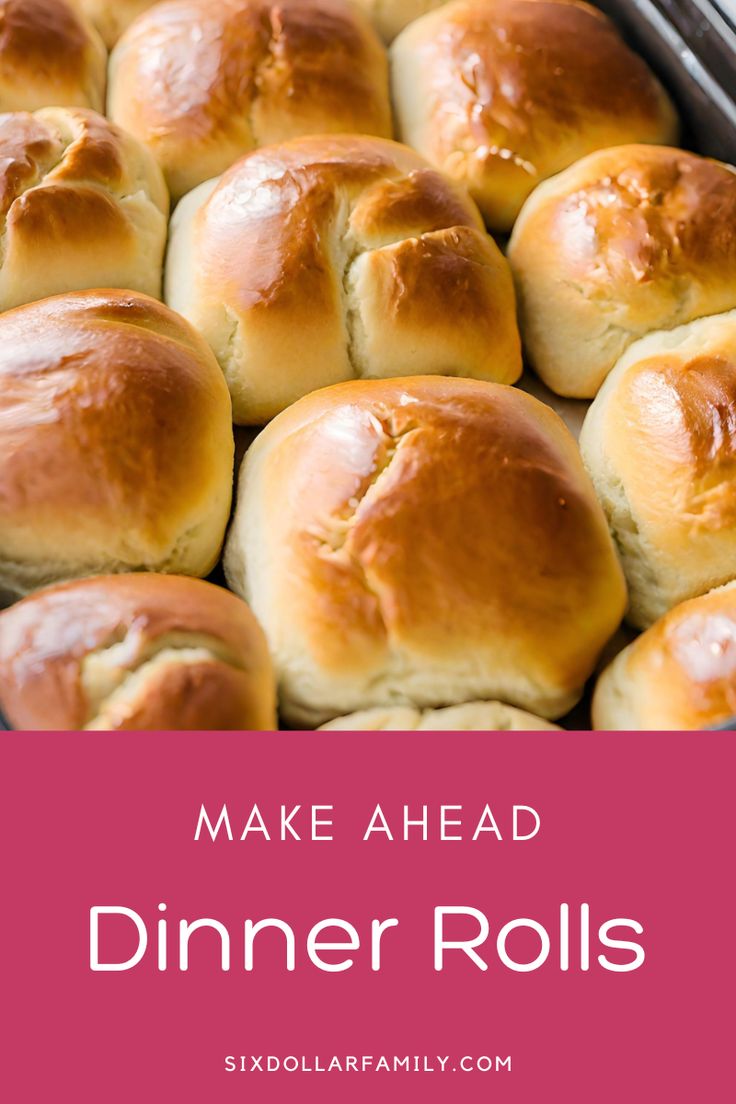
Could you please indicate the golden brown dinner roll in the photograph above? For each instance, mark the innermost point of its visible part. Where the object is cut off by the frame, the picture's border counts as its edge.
(471, 717)
(50, 55)
(660, 444)
(202, 82)
(326, 258)
(391, 16)
(627, 241)
(135, 652)
(423, 542)
(83, 205)
(681, 674)
(112, 17)
(503, 93)
(115, 438)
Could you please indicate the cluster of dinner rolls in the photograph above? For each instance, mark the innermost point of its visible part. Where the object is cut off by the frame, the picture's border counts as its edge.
(116, 441)
(660, 444)
(423, 542)
(50, 54)
(470, 717)
(501, 94)
(422, 545)
(680, 674)
(626, 242)
(327, 258)
(135, 652)
(83, 205)
(254, 72)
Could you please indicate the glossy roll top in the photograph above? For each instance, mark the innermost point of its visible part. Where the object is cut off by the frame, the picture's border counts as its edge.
(116, 438)
(326, 258)
(423, 542)
(628, 241)
(134, 652)
(680, 675)
(82, 205)
(660, 444)
(501, 94)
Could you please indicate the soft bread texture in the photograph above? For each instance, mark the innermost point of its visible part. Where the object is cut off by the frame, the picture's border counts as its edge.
(50, 55)
(135, 652)
(112, 17)
(423, 542)
(116, 441)
(333, 257)
(628, 241)
(391, 16)
(202, 82)
(472, 717)
(659, 442)
(82, 205)
(679, 675)
(502, 94)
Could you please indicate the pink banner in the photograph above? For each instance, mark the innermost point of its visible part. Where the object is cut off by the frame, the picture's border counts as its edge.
(511, 917)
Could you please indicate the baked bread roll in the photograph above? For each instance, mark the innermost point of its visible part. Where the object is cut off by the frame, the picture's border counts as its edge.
(116, 441)
(634, 239)
(50, 55)
(134, 652)
(391, 16)
(83, 205)
(680, 675)
(423, 542)
(252, 73)
(112, 17)
(501, 94)
(326, 258)
(472, 717)
(660, 444)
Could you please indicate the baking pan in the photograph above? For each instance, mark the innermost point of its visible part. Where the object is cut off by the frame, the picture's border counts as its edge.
(691, 45)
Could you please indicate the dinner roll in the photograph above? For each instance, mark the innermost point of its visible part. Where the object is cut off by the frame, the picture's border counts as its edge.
(627, 241)
(423, 542)
(135, 652)
(332, 257)
(50, 54)
(84, 205)
(660, 444)
(472, 717)
(115, 438)
(391, 16)
(112, 17)
(202, 82)
(503, 93)
(681, 674)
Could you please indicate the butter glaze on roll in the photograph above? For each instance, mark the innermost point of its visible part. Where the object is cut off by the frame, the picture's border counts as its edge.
(327, 258)
(472, 717)
(502, 94)
(626, 242)
(50, 55)
(423, 542)
(135, 652)
(677, 676)
(116, 445)
(112, 17)
(202, 82)
(82, 205)
(660, 444)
